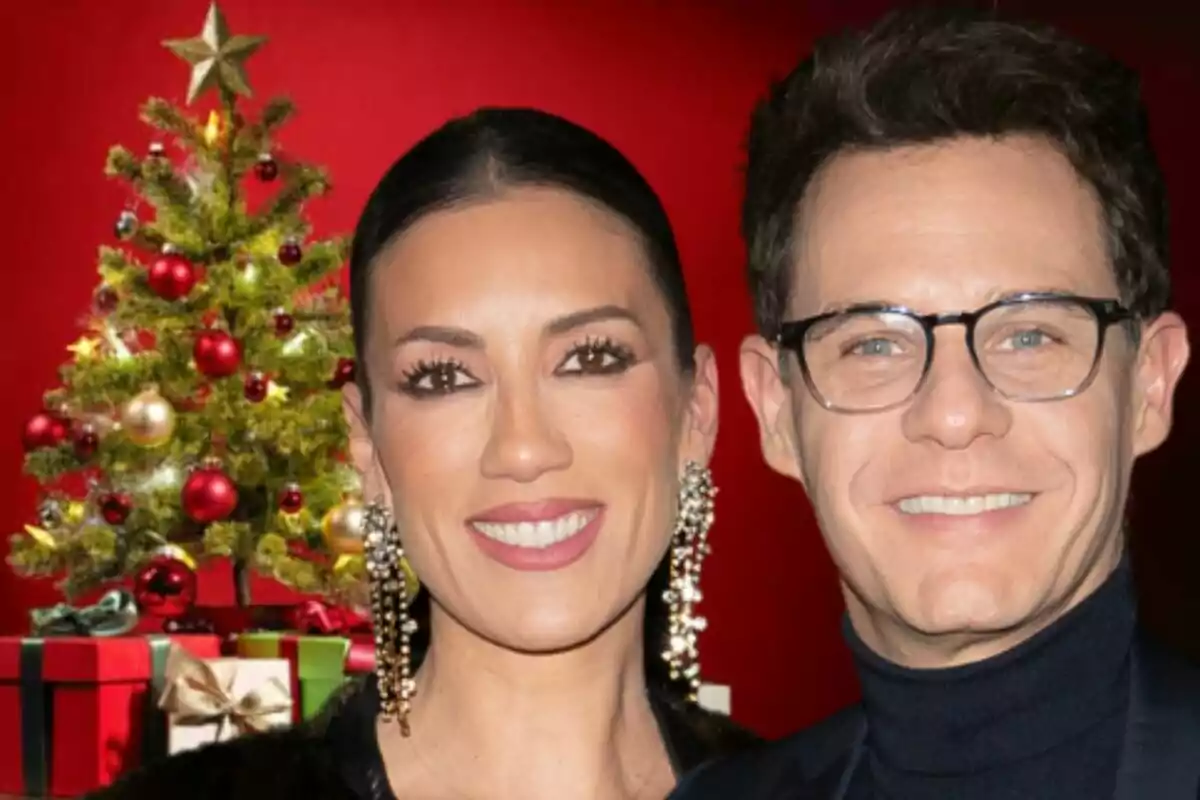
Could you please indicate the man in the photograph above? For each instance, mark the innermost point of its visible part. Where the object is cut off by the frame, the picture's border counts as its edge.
(957, 247)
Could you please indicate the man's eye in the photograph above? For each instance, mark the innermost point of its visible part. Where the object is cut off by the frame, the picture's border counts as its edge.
(432, 378)
(1026, 339)
(877, 346)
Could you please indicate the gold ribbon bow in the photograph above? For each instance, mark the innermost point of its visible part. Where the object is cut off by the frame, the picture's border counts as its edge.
(201, 692)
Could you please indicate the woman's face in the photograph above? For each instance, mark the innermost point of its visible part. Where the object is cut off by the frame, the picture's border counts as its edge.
(529, 420)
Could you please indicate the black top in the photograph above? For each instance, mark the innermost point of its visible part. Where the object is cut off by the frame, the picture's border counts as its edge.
(336, 756)
(1043, 720)
(1158, 756)
(690, 736)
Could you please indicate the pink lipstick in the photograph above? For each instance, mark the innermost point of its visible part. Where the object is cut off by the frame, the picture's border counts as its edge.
(538, 536)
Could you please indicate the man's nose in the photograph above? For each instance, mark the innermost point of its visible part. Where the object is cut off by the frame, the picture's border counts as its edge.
(955, 405)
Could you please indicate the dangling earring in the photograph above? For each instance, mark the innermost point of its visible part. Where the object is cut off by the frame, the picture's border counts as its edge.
(389, 612)
(689, 546)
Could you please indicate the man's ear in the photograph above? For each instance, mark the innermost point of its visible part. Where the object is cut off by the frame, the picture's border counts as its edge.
(700, 431)
(362, 446)
(767, 392)
(1162, 358)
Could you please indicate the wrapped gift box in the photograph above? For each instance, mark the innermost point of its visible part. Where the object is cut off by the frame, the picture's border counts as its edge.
(76, 712)
(317, 664)
(213, 700)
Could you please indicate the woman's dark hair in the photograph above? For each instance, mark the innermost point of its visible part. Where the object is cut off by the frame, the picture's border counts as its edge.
(478, 157)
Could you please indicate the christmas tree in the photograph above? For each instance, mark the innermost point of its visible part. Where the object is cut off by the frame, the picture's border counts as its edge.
(200, 415)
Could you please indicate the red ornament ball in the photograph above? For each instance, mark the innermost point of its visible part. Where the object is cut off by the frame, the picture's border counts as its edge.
(343, 373)
(171, 276)
(87, 442)
(267, 168)
(166, 587)
(115, 508)
(105, 300)
(217, 354)
(290, 254)
(284, 323)
(209, 495)
(291, 499)
(44, 430)
(256, 387)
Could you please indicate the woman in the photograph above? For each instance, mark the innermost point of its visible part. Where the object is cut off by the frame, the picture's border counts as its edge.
(530, 417)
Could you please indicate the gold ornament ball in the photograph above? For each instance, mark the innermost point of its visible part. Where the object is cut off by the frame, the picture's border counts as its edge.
(344, 528)
(148, 419)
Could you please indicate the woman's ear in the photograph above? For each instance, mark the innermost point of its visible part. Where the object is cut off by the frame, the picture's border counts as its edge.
(362, 446)
(701, 415)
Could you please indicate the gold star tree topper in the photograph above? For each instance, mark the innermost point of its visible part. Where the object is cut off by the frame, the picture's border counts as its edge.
(216, 57)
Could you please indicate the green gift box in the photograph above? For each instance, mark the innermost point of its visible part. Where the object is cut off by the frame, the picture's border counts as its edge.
(318, 664)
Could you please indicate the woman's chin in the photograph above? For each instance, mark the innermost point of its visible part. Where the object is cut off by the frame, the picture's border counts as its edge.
(545, 632)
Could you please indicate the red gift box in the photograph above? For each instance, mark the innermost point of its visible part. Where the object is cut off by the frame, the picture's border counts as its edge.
(95, 698)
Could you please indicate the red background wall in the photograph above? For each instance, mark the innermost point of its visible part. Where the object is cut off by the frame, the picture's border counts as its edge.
(671, 83)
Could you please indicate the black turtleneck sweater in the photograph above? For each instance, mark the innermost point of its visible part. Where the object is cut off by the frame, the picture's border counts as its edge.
(1044, 720)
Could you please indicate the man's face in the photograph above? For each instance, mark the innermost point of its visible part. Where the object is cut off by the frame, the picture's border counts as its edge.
(951, 228)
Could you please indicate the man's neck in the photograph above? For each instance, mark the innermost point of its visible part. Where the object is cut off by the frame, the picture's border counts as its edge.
(491, 722)
(1054, 703)
(906, 646)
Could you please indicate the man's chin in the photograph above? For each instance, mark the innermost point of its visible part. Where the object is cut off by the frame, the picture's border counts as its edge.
(961, 621)
(967, 604)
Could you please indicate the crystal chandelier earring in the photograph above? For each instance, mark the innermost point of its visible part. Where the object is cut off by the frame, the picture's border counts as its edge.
(689, 546)
(389, 612)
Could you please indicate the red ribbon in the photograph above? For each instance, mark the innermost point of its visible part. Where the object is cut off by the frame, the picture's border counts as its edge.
(318, 619)
(360, 658)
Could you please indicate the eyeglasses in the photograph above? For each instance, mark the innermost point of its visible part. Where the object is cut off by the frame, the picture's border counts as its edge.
(1029, 348)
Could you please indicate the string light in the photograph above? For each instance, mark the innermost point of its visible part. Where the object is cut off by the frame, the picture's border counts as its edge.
(295, 344)
(166, 476)
(119, 350)
(213, 129)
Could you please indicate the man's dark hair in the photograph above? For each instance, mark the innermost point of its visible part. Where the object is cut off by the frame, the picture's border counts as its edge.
(927, 76)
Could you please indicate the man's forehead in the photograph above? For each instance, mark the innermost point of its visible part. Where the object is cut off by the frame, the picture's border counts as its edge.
(971, 219)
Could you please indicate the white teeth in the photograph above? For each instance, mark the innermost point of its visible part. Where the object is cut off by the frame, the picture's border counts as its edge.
(962, 506)
(536, 534)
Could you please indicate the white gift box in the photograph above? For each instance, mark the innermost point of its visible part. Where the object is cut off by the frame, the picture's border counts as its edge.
(217, 699)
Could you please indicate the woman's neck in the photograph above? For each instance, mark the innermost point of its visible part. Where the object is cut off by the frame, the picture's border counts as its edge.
(491, 722)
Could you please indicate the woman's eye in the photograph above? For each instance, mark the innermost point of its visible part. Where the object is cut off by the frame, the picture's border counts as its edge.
(601, 357)
(430, 379)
